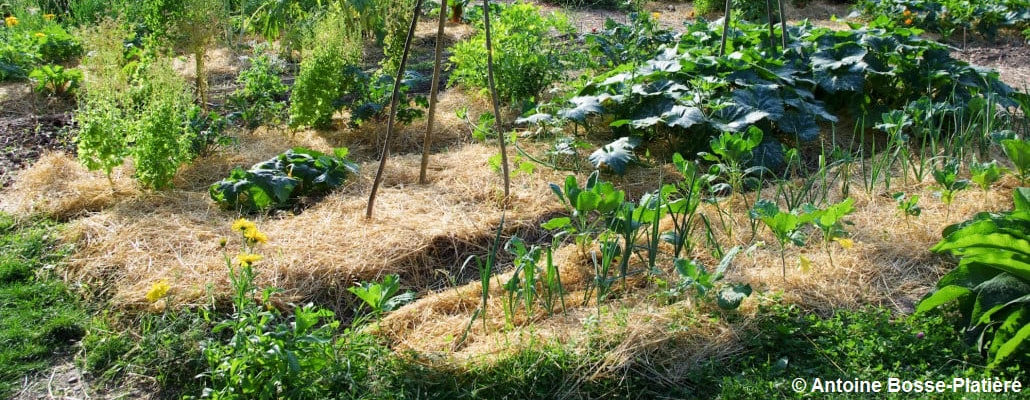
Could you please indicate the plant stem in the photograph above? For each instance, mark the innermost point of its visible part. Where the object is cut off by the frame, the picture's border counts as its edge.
(393, 111)
(496, 102)
(433, 94)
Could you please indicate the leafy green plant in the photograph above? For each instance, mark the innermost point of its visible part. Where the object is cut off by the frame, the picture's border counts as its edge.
(785, 225)
(162, 140)
(992, 280)
(689, 93)
(277, 182)
(620, 43)
(908, 205)
(731, 153)
(949, 17)
(267, 355)
(382, 297)
(985, 174)
(948, 182)
(681, 202)
(1018, 152)
(591, 207)
(526, 56)
(830, 221)
(56, 80)
(261, 97)
(322, 80)
(694, 276)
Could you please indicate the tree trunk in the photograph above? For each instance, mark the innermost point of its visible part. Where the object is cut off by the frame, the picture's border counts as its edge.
(493, 94)
(433, 93)
(393, 111)
(457, 9)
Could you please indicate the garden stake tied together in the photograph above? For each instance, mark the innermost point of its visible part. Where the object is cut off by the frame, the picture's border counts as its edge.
(433, 100)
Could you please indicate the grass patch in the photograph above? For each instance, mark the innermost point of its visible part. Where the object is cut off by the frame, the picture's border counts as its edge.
(39, 317)
(869, 344)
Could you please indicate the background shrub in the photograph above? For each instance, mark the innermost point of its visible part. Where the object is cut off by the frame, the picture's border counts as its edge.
(527, 56)
(322, 82)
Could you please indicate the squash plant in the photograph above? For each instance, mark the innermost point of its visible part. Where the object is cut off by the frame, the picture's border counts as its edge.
(687, 92)
(276, 183)
(992, 280)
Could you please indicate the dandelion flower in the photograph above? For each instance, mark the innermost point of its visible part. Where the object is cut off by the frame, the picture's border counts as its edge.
(247, 259)
(846, 244)
(158, 291)
(11, 21)
(255, 236)
(243, 225)
(49, 17)
(40, 35)
(656, 14)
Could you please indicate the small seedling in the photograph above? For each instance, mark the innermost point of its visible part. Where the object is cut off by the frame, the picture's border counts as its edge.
(909, 206)
(949, 183)
(785, 225)
(831, 222)
(985, 174)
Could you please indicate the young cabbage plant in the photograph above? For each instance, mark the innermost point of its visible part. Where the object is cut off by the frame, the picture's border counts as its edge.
(694, 276)
(909, 206)
(786, 226)
(591, 207)
(985, 174)
(382, 297)
(681, 202)
(730, 153)
(830, 221)
(949, 183)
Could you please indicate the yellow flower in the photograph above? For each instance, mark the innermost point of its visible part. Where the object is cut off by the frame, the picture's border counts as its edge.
(11, 21)
(255, 236)
(158, 291)
(656, 14)
(846, 244)
(40, 35)
(243, 225)
(49, 17)
(247, 259)
(908, 21)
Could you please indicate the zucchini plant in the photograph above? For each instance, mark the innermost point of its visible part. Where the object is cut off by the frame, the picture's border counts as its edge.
(277, 182)
(991, 282)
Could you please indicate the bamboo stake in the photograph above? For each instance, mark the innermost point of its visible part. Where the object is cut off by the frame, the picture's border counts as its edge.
(433, 94)
(783, 24)
(393, 111)
(725, 27)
